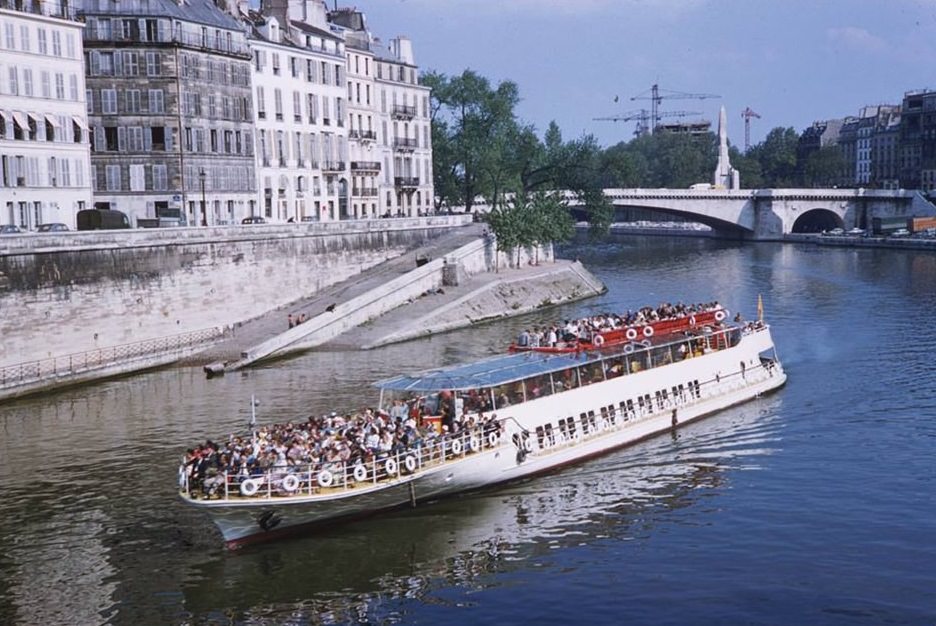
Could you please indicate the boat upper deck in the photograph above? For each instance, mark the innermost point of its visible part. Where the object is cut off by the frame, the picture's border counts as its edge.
(509, 368)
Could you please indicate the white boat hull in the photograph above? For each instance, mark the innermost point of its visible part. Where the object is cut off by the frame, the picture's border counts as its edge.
(721, 383)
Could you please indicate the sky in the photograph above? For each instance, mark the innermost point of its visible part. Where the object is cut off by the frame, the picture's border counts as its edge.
(791, 61)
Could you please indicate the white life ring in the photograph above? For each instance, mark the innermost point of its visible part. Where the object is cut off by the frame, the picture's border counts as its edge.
(598, 341)
(457, 446)
(409, 462)
(629, 348)
(648, 331)
(631, 333)
(646, 343)
(360, 473)
(249, 487)
(720, 315)
(474, 444)
(391, 467)
(528, 444)
(325, 478)
(492, 439)
(290, 483)
(692, 320)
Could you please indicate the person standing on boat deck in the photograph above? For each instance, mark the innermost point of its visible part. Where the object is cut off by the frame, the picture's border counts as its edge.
(523, 339)
(552, 338)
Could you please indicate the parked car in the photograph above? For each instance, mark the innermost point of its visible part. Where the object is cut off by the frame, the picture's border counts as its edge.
(253, 219)
(835, 232)
(101, 219)
(52, 227)
(10, 229)
(856, 231)
(901, 232)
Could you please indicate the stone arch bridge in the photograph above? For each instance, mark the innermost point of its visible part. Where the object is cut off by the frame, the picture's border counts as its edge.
(766, 214)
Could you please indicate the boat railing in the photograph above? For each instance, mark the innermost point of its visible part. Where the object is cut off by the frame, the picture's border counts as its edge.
(327, 478)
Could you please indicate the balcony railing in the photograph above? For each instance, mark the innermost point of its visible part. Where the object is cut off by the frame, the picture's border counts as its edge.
(365, 166)
(333, 166)
(406, 182)
(49, 8)
(363, 135)
(404, 143)
(403, 112)
(366, 192)
(186, 39)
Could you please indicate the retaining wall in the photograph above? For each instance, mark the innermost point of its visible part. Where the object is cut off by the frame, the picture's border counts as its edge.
(73, 292)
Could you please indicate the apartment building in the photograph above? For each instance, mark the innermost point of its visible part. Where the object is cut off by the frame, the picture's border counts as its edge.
(170, 105)
(301, 116)
(44, 143)
(397, 106)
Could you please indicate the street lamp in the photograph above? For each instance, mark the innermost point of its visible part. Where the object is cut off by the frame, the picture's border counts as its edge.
(204, 210)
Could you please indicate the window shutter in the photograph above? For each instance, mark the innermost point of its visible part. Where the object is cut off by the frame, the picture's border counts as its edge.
(121, 139)
(147, 138)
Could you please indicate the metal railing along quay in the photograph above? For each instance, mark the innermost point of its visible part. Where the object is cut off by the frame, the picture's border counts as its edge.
(82, 362)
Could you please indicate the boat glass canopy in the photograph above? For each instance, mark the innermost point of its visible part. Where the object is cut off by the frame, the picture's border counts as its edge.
(487, 373)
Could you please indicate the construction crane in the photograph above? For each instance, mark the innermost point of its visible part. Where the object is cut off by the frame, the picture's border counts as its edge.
(656, 95)
(643, 119)
(746, 115)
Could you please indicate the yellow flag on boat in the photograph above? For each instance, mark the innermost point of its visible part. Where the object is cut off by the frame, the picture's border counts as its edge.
(760, 308)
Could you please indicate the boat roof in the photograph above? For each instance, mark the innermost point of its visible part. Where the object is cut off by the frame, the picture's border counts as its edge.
(486, 373)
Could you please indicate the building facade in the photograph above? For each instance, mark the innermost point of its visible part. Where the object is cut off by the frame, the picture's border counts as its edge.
(299, 78)
(44, 141)
(171, 110)
(392, 143)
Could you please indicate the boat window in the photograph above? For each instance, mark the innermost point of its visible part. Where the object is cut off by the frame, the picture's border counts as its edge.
(571, 423)
(538, 386)
(698, 393)
(622, 407)
(508, 394)
(591, 420)
(665, 397)
(615, 368)
(550, 438)
(539, 436)
(563, 428)
(476, 400)
(591, 373)
(640, 403)
(565, 379)
(648, 403)
(659, 400)
(682, 392)
(584, 419)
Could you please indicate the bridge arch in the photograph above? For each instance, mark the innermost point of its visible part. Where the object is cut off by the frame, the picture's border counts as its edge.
(816, 221)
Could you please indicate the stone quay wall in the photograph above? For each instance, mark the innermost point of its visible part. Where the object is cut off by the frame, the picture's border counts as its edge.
(72, 293)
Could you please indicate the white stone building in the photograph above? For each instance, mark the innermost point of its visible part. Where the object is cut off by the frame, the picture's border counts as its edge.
(391, 120)
(44, 149)
(300, 112)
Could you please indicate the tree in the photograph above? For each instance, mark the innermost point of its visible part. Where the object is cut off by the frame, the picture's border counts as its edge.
(474, 121)
(777, 157)
(824, 167)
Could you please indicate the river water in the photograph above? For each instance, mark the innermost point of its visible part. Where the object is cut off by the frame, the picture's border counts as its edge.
(813, 505)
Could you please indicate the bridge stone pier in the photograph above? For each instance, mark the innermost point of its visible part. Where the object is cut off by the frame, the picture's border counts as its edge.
(769, 214)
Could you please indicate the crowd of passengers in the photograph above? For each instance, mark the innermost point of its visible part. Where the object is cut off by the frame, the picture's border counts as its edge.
(588, 329)
(331, 442)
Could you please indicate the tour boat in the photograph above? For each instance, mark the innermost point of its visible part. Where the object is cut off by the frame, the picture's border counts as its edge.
(534, 412)
(633, 332)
